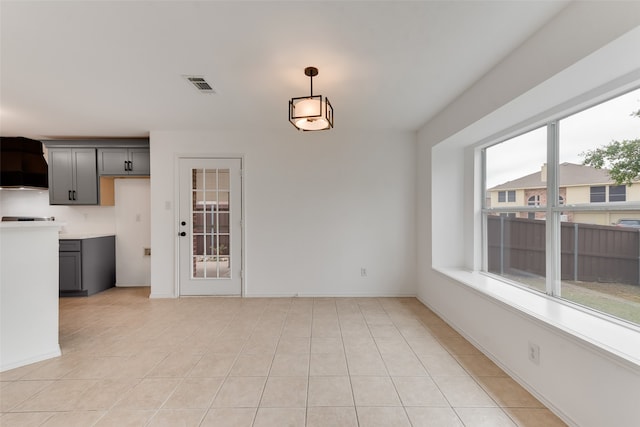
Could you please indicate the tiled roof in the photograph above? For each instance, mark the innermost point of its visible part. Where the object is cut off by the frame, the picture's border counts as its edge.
(570, 174)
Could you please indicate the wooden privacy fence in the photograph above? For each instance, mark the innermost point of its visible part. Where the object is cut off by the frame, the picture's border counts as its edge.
(589, 253)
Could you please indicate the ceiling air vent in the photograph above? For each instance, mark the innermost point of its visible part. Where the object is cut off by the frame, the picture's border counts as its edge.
(200, 84)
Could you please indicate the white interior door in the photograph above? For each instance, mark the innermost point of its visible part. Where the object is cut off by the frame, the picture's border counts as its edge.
(210, 227)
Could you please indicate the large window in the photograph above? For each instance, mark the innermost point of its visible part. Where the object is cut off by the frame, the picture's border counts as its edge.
(581, 251)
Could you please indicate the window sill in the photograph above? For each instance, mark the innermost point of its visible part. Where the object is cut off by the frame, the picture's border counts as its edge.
(613, 338)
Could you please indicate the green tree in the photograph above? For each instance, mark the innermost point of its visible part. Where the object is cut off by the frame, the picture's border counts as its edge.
(622, 158)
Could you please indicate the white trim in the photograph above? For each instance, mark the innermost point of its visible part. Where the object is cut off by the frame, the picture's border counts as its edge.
(335, 295)
(54, 352)
(549, 404)
(616, 340)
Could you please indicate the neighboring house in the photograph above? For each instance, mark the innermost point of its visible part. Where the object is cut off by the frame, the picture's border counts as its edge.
(579, 185)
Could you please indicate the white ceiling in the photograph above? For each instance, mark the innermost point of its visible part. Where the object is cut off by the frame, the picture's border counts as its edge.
(115, 68)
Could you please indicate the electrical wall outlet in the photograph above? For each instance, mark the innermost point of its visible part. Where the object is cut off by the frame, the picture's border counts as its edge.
(363, 272)
(534, 353)
(147, 251)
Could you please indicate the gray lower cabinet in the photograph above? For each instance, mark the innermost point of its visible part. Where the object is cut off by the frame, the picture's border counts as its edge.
(73, 178)
(123, 161)
(87, 266)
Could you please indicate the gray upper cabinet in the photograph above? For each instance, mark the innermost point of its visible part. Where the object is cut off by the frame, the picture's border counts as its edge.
(123, 161)
(73, 178)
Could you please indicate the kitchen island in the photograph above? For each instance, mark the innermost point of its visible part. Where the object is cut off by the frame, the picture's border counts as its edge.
(28, 293)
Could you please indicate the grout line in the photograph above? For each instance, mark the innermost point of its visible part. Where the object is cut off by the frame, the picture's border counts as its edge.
(106, 315)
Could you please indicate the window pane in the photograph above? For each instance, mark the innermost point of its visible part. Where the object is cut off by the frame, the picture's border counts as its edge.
(597, 194)
(617, 193)
(582, 183)
(516, 169)
(516, 249)
(600, 266)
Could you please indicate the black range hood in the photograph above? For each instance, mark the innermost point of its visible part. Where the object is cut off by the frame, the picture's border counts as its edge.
(22, 164)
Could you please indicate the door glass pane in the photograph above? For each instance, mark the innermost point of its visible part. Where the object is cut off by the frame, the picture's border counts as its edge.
(210, 224)
(223, 244)
(210, 179)
(198, 201)
(223, 179)
(198, 179)
(198, 267)
(198, 222)
(224, 267)
(223, 201)
(223, 222)
(210, 200)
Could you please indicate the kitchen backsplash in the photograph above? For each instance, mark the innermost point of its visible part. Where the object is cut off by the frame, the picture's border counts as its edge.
(77, 219)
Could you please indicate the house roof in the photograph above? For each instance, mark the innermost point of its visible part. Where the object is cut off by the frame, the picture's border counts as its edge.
(570, 174)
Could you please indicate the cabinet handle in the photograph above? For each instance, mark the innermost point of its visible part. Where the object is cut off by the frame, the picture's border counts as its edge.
(130, 165)
(74, 194)
(70, 195)
(126, 165)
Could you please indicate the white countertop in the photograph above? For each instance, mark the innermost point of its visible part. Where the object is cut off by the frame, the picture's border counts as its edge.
(80, 236)
(31, 224)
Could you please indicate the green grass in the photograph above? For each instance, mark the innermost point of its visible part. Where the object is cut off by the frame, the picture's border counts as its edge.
(616, 299)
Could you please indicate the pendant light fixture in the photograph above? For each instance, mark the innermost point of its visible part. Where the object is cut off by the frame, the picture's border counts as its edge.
(311, 112)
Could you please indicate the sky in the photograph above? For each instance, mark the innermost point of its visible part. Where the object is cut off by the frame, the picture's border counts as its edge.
(588, 129)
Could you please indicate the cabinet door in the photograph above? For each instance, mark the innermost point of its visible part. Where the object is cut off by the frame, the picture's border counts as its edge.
(140, 162)
(112, 161)
(60, 176)
(70, 272)
(85, 176)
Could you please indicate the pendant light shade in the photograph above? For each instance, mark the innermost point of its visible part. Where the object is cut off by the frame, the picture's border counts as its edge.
(313, 112)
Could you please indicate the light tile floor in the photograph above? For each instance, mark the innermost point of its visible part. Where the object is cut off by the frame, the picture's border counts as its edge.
(131, 361)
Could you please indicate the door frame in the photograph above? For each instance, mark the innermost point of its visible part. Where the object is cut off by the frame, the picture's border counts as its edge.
(176, 215)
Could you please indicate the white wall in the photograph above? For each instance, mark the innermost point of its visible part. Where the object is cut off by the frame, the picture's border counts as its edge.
(77, 219)
(318, 208)
(133, 231)
(584, 48)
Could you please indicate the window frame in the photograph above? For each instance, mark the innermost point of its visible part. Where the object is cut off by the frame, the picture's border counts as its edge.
(553, 211)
